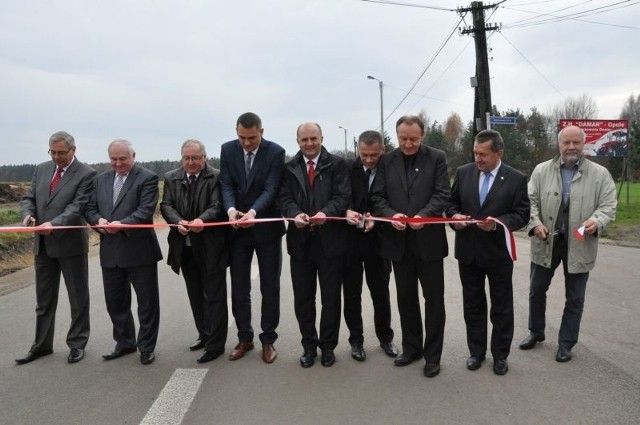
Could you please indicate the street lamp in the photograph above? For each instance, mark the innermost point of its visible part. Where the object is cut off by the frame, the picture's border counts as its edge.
(345, 139)
(380, 84)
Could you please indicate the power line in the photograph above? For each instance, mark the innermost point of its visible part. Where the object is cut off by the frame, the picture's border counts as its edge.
(397, 3)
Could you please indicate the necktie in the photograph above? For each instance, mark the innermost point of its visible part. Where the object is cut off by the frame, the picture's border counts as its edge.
(370, 180)
(192, 184)
(56, 179)
(485, 187)
(311, 172)
(247, 163)
(117, 187)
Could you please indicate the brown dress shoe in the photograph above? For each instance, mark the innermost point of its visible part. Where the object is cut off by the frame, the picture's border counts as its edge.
(240, 350)
(268, 353)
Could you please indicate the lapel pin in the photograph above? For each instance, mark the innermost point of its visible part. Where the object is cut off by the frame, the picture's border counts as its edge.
(501, 177)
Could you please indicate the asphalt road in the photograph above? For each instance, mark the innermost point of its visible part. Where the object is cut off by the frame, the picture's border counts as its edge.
(601, 385)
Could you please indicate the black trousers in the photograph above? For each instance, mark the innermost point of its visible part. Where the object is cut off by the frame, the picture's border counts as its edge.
(575, 288)
(430, 274)
(305, 273)
(474, 298)
(117, 293)
(377, 270)
(269, 254)
(76, 279)
(207, 293)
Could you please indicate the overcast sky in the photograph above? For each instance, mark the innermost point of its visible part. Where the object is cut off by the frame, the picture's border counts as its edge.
(157, 72)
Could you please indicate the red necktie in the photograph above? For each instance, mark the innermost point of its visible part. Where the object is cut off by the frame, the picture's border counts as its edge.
(56, 180)
(311, 172)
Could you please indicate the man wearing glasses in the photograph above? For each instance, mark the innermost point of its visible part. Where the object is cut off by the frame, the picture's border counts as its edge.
(59, 191)
(191, 197)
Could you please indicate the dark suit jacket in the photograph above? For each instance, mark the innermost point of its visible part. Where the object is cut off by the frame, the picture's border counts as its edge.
(507, 200)
(136, 204)
(257, 191)
(331, 195)
(63, 207)
(209, 246)
(425, 194)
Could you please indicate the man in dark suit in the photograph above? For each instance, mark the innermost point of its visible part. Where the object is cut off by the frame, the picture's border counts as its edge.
(412, 181)
(128, 194)
(250, 172)
(191, 197)
(364, 253)
(59, 192)
(315, 185)
(487, 189)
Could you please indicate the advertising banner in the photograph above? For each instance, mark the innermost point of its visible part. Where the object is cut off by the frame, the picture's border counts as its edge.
(603, 137)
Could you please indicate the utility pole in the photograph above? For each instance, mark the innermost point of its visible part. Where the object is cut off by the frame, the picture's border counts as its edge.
(480, 82)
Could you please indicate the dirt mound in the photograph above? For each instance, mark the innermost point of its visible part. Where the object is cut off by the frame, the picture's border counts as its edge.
(12, 192)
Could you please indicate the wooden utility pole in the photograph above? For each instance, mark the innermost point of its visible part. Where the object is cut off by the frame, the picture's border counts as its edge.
(481, 81)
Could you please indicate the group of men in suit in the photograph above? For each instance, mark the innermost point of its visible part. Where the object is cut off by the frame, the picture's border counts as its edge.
(254, 189)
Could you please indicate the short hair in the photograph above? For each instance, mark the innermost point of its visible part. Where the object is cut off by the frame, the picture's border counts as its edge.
(305, 123)
(583, 136)
(188, 142)
(126, 143)
(249, 120)
(370, 138)
(493, 136)
(409, 120)
(62, 136)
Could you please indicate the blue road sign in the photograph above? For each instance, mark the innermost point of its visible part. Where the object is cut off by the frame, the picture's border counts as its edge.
(503, 120)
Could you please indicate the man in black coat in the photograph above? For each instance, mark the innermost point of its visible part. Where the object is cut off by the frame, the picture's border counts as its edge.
(315, 185)
(413, 181)
(487, 189)
(364, 253)
(191, 197)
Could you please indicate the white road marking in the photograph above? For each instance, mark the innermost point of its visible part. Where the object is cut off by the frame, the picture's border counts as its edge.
(175, 398)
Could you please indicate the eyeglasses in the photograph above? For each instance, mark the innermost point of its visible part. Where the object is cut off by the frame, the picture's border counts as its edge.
(58, 153)
(192, 158)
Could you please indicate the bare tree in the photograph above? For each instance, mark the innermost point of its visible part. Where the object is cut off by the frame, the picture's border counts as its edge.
(581, 107)
(453, 131)
(631, 109)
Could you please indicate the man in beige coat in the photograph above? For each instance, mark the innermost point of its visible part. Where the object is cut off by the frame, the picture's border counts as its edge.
(572, 202)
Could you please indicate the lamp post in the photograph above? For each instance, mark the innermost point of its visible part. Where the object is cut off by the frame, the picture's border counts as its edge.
(345, 140)
(380, 84)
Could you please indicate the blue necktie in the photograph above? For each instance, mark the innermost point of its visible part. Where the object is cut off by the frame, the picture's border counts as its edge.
(485, 187)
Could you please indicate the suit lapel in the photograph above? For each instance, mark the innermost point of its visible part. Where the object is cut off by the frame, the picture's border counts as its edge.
(127, 184)
(500, 179)
(397, 164)
(418, 165)
(257, 161)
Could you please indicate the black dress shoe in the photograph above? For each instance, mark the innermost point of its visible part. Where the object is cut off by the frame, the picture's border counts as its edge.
(431, 369)
(328, 358)
(406, 359)
(75, 355)
(31, 356)
(199, 344)
(389, 349)
(563, 354)
(474, 362)
(147, 358)
(119, 352)
(500, 366)
(357, 352)
(207, 356)
(308, 358)
(530, 341)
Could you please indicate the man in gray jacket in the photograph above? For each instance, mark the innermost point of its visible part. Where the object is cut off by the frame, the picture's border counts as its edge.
(572, 202)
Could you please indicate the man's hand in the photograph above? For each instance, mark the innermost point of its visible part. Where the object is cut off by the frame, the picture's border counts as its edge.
(541, 232)
(590, 226)
(301, 220)
(460, 226)
(416, 226)
(234, 215)
(29, 221)
(196, 225)
(113, 231)
(488, 224)
(319, 219)
(46, 228)
(249, 215)
(353, 217)
(368, 223)
(398, 225)
(183, 227)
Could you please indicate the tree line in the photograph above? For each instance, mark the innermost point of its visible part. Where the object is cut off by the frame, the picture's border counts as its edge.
(532, 140)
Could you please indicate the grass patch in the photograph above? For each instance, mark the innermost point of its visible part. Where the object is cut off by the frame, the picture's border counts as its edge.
(9, 217)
